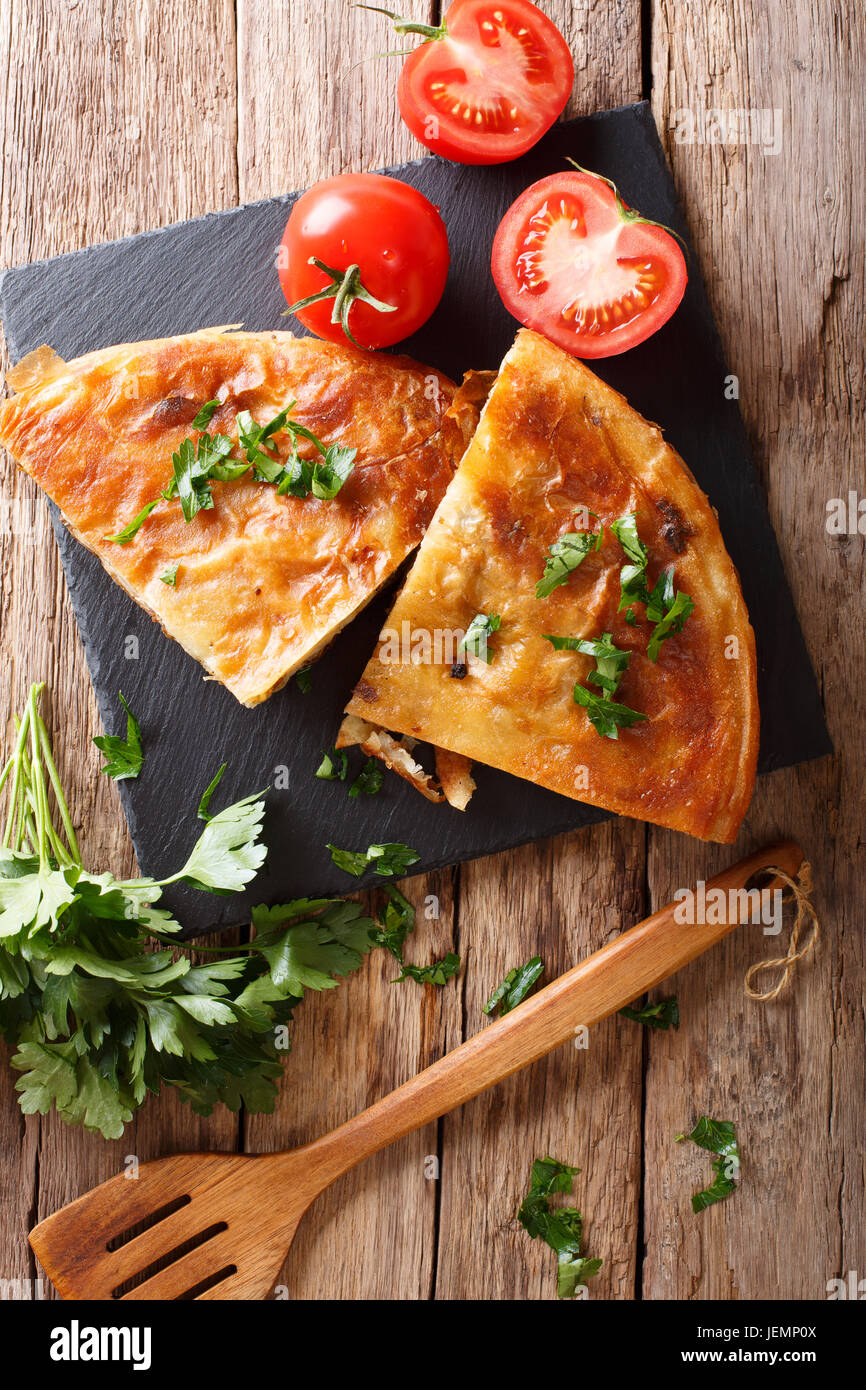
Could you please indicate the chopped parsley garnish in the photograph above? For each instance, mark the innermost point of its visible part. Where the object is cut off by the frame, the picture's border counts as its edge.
(632, 578)
(514, 988)
(396, 923)
(606, 717)
(169, 576)
(303, 680)
(369, 780)
(334, 766)
(477, 635)
(132, 528)
(199, 463)
(564, 556)
(437, 973)
(666, 608)
(389, 860)
(206, 414)
(125, 756)
(663, 1014)
(718, 1137)
(203, 812)
(194, 466)
(560, 1227)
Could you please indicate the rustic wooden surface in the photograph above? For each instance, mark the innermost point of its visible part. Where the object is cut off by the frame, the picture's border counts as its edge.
(121, 117)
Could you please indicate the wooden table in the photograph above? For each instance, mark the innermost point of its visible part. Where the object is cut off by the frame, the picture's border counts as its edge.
(121, 117)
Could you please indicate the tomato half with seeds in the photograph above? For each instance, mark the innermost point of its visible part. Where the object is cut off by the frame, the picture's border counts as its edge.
(574, 262)
(487, 83)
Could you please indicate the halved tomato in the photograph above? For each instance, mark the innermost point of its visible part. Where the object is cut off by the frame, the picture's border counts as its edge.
(574, 262)
(487, 83)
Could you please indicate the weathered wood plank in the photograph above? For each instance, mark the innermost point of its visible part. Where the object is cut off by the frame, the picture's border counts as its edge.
(561, 900)
(307, 116)
(781, 237)
(114, 119)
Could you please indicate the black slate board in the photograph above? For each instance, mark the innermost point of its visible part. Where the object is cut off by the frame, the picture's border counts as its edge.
(220, 269)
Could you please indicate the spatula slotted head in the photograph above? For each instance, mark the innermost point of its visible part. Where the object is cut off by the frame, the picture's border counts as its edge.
(193, 1226)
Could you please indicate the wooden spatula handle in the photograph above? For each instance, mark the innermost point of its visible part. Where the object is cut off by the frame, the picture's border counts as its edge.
(619, 973)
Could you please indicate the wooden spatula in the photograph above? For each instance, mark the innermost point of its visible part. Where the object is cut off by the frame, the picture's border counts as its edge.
(217, 1226)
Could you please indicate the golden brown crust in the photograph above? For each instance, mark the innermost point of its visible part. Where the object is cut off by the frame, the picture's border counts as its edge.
(264, 582)
(554, 438)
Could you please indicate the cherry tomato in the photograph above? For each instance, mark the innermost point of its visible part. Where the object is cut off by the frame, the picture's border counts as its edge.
(572, 261)
(382, 253)
(487, 83)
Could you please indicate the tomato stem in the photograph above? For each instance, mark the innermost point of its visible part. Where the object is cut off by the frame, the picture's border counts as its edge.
(344, 289)
(408, 26)
(626, 213)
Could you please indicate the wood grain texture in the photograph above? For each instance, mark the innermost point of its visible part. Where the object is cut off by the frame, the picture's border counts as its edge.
(783, 238)
(310, 116)
(108, 128)
(223, 1193)
(561, 899)
(120, 116)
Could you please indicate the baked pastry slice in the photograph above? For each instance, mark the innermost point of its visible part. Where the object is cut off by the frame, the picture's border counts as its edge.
(260, 578)
(657, 716)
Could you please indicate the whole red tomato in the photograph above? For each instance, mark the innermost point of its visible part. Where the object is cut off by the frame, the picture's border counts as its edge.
(364, 257)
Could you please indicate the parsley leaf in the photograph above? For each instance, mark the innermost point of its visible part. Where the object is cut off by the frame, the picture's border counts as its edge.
(206, 414)
(331, 472)
(202, 812)
(718, 1137)
(667, 609)
(611, 663)
(606, 717)
(389, 860)
(564, 556)
(303, 680)
(369, 780)
(560, 1227)
(169, 576)
(678, 608)
(125, 756)
(193, 472)
(334, 766)
(227, 854)
(132, 528)
(437, 973)
(632, 579)
(396, 924)
(312, 950)
(664, 1013)
(514, 988)
(475, 638)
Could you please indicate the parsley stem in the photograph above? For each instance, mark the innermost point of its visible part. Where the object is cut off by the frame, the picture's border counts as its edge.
(59, 798)
(37, 785)
(15, 797)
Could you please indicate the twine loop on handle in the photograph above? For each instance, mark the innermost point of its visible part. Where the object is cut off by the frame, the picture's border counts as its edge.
(799, 891)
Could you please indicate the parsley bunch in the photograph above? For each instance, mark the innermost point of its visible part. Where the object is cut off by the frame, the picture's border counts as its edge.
(93, 1001)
